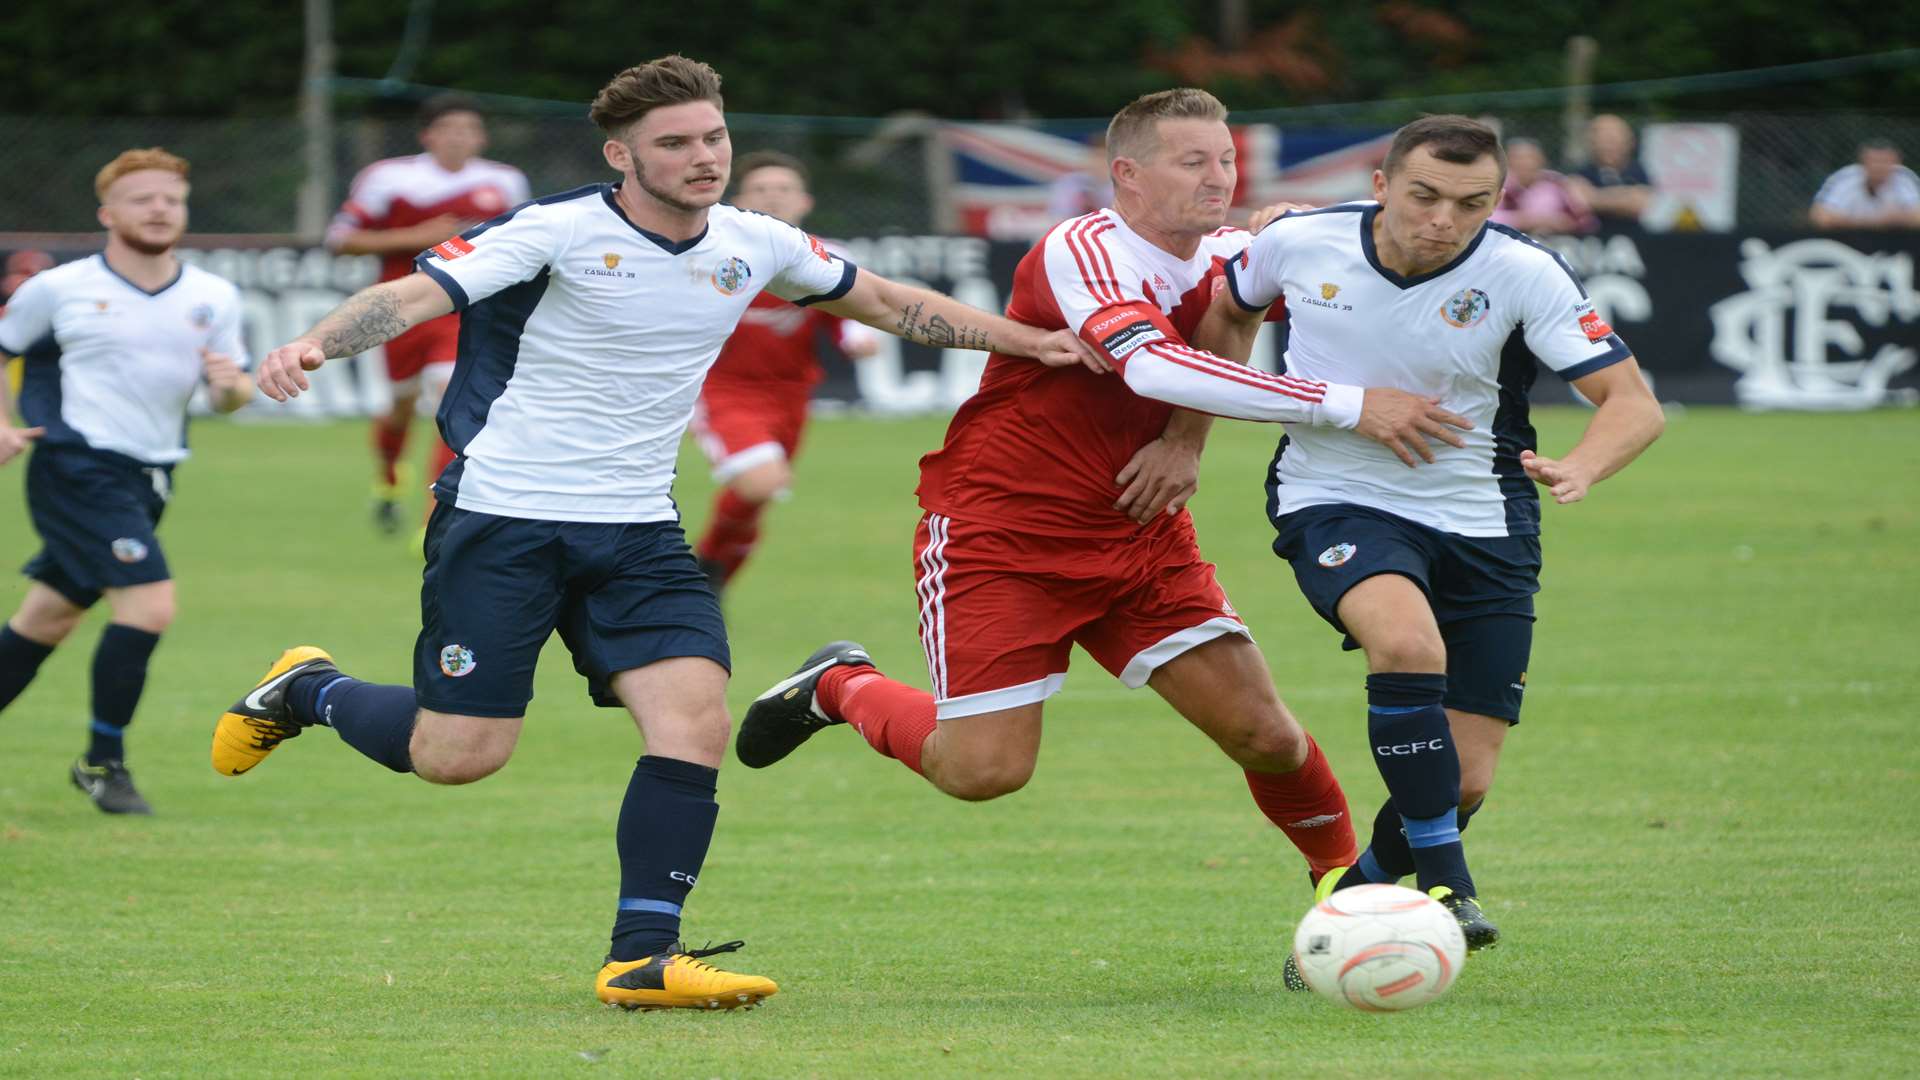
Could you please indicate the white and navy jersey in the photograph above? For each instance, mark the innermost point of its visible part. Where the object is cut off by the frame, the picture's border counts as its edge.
(583, 343)
(1468, 334)
(111, 366)
(1846, 192)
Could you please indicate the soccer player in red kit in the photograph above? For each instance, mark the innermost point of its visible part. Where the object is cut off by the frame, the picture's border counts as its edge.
(1055, 511)
(753, 407)
(396, 209)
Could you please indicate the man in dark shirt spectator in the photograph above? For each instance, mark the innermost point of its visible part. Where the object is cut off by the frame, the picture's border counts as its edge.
(1612, 181)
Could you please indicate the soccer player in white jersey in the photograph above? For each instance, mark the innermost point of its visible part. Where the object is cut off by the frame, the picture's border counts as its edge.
(589, 321)
(1432, 571)
(112, 346)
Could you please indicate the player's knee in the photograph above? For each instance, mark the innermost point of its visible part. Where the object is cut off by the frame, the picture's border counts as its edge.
(1407, 650)
(150, 608)
(469, 749)
(763, 483)
(988, 779)
(1276, 744)
(46, 627)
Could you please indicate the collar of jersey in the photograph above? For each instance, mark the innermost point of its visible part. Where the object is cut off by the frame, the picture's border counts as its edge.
(179, 269)
(1373, 257)
(671, 247)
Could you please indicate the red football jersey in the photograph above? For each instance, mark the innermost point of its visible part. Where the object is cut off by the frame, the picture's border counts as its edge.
(403, 191)
(1037, 449)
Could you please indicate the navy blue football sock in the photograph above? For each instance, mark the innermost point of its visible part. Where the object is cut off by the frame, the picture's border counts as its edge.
(1388, 858)
(666, 823)
(119, 675)
(1413, 749)
(19, 658)
(374, 719)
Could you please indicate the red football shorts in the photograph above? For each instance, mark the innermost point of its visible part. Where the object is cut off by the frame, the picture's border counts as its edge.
(436, 341)
(738, 429)
(1000, 610)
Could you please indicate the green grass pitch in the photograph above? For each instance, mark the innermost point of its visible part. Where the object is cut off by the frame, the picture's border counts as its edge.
(1702, 848)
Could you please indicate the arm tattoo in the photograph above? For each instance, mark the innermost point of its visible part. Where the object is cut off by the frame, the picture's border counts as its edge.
(938, 332)
(368, 318)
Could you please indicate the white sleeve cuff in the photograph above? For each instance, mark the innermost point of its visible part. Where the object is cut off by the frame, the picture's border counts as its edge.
(1341, 407)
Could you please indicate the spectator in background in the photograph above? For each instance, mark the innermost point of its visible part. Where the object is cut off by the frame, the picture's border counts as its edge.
(1612, 181)
(21, 265)
(1538, 200)
(396, 209)
(1084, 190)
(1877, 192)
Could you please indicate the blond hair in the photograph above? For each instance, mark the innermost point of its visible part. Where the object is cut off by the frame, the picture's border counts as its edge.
(637, 91)
(131, 161)
(1134, 131)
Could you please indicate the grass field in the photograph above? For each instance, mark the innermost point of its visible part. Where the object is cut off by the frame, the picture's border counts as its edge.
(1702, 849)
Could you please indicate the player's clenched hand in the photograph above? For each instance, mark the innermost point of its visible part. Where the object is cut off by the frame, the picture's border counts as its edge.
(1063, 348)
(13, 440)
(221, 371)
(1160, 478)
(283, 374)
(1403, 422)
(1568, 483)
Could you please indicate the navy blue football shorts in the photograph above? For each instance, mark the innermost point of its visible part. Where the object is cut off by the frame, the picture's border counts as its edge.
(495, 588)
(96, 512)
(1481, 590)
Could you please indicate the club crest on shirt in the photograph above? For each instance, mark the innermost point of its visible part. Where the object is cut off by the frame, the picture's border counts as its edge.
(730, 276)
(1465, 308)
(129, 550)
(456, 660)
(1328, 290)
(1337, 555)
(201, 316)
(612, 260)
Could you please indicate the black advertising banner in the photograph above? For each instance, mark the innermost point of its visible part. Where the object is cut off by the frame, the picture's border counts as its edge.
(1764, 320)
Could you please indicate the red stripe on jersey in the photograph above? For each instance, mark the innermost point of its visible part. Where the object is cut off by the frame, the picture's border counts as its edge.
(1089, 266)
(1093, 241)
(1262, 381)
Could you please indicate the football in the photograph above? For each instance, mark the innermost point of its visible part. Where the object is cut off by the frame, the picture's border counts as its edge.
(1379, 948)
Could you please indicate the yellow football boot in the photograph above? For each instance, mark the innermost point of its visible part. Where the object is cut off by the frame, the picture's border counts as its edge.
(680, 979)
(257, 723)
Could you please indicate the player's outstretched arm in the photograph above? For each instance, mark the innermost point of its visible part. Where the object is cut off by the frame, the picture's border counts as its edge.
(372, 316)
(936, 319)
(1626, 420)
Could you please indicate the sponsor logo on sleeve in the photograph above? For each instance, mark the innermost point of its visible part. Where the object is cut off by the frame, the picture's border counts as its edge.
(1595, 327)
(1130, 337)
(819, 248)
(452, 248)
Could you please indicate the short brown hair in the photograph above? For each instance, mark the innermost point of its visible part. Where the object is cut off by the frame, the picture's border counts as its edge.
(440, 105)
(767, 159)
(637, 91)
(1134, 131)
(130, 161)
(1461, 140)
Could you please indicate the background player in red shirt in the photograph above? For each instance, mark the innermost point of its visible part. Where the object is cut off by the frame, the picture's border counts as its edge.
(396, 209)
(1051, 522)
(753, 407)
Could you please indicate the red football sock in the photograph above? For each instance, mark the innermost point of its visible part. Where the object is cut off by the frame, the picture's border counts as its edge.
(731, 533)
(893, 717)
(1310, 808)
(388, 444)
